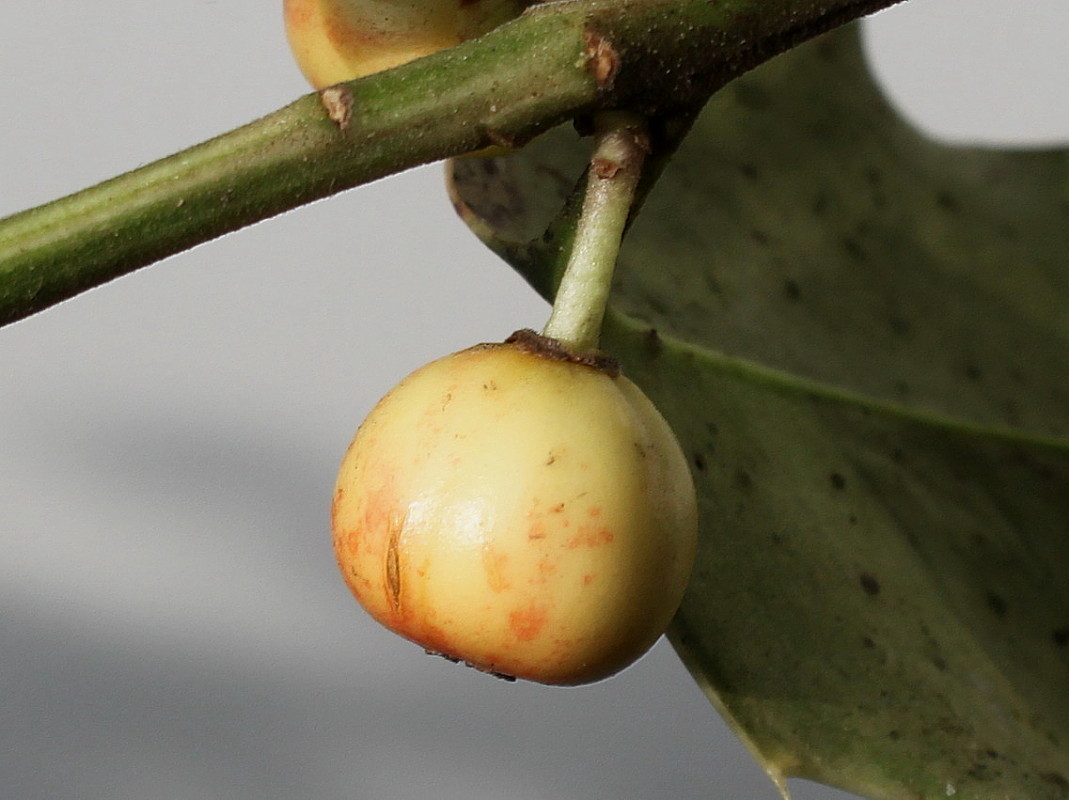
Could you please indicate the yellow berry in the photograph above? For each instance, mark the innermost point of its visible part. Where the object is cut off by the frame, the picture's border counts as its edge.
(529, 515)
(340, 40)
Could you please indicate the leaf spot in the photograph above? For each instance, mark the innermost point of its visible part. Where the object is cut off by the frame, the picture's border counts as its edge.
(654, 345)
(1058, 780)
(743, 480)
(853, 248)
(947, 201)
(869, 584)
(997, 603)
(900, 326)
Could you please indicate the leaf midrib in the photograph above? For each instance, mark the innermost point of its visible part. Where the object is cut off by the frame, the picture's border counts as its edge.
(788, 384)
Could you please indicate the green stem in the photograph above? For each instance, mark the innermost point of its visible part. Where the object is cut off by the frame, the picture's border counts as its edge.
(557, 61)
(450, 103)
(620, 147)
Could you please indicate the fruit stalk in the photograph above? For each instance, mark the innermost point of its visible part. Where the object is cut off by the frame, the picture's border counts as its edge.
(621, 143)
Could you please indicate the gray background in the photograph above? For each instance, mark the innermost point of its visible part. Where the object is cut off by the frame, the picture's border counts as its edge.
(171, 621)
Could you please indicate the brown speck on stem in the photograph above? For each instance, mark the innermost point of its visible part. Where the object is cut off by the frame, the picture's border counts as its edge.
(605, 168)
(338, 101)
(601, 58)
(502, 139)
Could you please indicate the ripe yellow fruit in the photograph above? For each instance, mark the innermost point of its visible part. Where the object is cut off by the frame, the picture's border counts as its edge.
(340, 40)
(529, 515)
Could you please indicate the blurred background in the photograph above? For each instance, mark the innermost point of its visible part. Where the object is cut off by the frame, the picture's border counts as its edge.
(171, 620)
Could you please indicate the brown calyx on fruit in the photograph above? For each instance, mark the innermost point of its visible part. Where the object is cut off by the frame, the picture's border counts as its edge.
(547, 347)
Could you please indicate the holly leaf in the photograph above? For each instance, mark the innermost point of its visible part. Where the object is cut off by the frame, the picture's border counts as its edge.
(859, 336)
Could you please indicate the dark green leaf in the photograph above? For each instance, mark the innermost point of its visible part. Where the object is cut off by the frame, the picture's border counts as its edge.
(860, 337)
